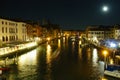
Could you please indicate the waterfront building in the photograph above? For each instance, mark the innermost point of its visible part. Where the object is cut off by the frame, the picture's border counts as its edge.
(95, 33)
(103, 32)
(22, 31)
(12, 31)
(117, 31)
(29, 32)
(99, 33)
(37, 30)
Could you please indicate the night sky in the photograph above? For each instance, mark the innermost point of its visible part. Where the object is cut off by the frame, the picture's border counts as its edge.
(70, 14)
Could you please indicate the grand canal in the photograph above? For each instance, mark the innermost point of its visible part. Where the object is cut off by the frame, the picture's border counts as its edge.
(61, 59)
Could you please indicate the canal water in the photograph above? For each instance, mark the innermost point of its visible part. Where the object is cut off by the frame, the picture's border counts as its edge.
(59, 60)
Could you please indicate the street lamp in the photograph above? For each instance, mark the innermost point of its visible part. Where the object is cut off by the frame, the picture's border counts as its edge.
(105, 53)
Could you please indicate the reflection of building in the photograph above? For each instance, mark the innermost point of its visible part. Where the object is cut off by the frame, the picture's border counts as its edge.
(12, 31)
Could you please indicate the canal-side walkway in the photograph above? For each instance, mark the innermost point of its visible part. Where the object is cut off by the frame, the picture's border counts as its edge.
(17, 48)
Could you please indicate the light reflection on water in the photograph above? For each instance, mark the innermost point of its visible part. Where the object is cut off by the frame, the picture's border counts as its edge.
(89, 54)
(73, 47)
(95, 57)
(59, 43)
(80, 50)
(86, 66)
(26, 66)
(48, 62)
(27, 59)
(63, 39)
(48, 54)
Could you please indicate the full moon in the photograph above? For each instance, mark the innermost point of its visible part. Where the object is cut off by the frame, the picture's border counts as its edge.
(105, 8)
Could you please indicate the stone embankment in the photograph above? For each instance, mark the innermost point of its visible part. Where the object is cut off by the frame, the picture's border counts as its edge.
(11, 51)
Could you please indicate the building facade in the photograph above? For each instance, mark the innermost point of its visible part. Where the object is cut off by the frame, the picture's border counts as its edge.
(12, 31)
(102, 33)
(117, 31)
(22, 31)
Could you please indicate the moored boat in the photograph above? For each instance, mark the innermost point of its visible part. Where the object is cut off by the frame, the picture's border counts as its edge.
(3, 69)
(113, 70)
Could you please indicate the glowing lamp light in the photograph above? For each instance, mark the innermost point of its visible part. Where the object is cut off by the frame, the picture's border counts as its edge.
(104, 78)
(88, 38)
(105, 53)
(111, 61)
(80, 42)
(48, 39)
(79, 36)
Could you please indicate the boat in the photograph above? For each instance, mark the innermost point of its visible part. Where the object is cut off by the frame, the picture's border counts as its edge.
(112, 70)
(4, 69)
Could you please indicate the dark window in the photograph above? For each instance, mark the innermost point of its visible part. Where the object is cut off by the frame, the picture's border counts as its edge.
(6, 23)
(9, 30)
(6, 29)
(2, 29)
(16, 30)
(2, 22)
(9, 38)
(16, 37)
(6, 38)
(3, 38)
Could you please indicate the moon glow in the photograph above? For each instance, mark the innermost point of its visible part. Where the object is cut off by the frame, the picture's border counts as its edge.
(105, 8)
